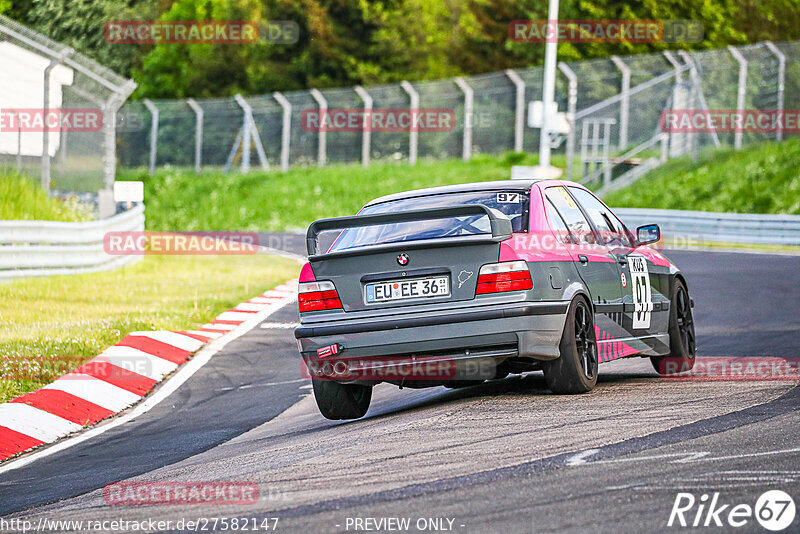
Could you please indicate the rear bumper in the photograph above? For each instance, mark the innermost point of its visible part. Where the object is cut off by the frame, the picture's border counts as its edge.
(534, 328)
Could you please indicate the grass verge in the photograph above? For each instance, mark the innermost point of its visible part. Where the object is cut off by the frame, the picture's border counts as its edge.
(179, 199)
(50, 326)
(23, 200)
(760, 178)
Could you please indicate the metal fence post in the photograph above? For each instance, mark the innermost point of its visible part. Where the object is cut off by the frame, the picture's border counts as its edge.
(737, 139)
(625, 102)
(286, 129)
(572, 104)
(781, 82)
(695, 76)
(413, 138)
(322, 146)
(519, 109)
(153, 133)
(366, 135)
(45, 110)
(469, 98)
(19, 145)
(250, 135)
(198, 134)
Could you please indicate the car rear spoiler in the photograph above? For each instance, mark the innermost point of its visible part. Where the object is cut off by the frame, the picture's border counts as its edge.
(500, 224)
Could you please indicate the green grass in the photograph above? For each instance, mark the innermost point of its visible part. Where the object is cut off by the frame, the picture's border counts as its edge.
(50, 326)
(178, 199)
(21, 199)
(761, 178)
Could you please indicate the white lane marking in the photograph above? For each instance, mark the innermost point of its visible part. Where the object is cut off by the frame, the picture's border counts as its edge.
(234, 316)
(265, 384)
(137, 361)
(172, 338)
(286, 326)
(261, 300)
(165, 390)
(694, 457)
(96, 391)
(34, 422)
(580, 458)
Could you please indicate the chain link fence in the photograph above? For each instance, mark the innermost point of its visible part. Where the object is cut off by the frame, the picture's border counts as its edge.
(58, 112)
(611, 123)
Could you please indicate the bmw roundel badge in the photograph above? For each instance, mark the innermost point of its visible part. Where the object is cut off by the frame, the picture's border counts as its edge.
(402, 259)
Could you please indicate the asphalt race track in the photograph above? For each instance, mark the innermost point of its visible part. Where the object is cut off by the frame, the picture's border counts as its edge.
(506, 456)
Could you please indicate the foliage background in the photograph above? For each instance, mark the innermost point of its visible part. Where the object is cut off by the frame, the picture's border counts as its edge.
(348, 42)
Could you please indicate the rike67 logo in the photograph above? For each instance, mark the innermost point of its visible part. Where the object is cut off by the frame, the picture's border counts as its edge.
(774, 510)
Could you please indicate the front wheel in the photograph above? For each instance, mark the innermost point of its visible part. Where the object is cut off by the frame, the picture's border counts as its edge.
(341, 401)
(681, 335)
(575, 370)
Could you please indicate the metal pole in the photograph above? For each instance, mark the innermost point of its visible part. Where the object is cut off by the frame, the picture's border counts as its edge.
(548, 88)
(737, 139)
(111, 109)
(572, 104)
(45, 110)
(781, 82)
(153, 133)
(198, 134)
(519, 111)
(675, 64)
(366, 135)
(413, 139)
(695, 76)
(19, 145)
(322, 147)
(247, 136)
(285, 130)
(625, 102)
(469, 98)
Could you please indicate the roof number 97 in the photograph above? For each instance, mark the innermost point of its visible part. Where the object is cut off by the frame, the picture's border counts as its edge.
(508, 198)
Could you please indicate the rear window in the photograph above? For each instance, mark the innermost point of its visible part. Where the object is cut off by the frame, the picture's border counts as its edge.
(513, 204)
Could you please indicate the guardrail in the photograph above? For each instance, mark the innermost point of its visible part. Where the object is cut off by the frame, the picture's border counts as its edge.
(717, 227)
(44, 248)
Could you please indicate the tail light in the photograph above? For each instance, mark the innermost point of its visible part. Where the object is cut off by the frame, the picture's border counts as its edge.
(315, 296)
(505, 276)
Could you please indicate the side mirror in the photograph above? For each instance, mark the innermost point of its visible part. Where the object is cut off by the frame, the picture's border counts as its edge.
(649, 233)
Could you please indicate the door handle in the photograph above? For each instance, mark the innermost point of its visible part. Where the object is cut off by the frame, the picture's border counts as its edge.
(582, 258)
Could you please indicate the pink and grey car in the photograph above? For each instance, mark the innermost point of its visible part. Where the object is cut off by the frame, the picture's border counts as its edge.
(456, 285)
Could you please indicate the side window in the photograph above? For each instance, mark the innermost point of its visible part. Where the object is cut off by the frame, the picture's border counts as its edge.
(611, 229)
(571, 214)
(558, 224)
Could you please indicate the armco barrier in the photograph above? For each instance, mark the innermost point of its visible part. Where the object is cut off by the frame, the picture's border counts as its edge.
(42, 248)
(717, 227)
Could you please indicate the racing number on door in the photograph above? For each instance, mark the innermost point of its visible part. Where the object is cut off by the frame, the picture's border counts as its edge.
(642, 299)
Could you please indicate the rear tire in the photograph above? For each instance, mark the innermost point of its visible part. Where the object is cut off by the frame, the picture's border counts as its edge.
(681, 335)
(341, 401)
(575, 370)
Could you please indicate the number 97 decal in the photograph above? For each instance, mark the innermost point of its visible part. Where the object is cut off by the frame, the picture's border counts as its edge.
(640, 285)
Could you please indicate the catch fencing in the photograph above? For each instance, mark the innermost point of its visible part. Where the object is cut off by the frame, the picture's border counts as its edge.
(43, 79)
(612, 108)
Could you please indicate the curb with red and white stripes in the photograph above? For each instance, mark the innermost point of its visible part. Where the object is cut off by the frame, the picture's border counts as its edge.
(118, 378)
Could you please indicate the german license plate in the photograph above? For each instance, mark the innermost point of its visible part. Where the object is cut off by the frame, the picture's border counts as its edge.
(436, 286)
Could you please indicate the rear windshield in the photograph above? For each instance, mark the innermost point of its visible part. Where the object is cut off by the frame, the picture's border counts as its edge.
(513, 204)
